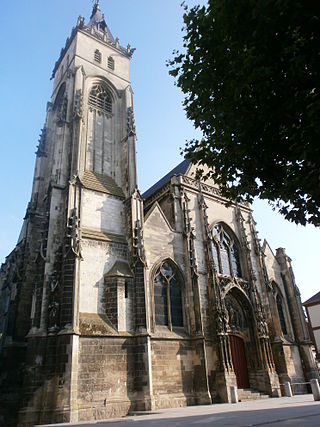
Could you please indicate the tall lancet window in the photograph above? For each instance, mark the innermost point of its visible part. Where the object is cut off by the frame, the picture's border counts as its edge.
(167, 296)
(225, 252)
(281, 315)
(100, 130)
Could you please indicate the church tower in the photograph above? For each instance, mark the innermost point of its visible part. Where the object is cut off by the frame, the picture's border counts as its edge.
(114, 302)
(74, 270)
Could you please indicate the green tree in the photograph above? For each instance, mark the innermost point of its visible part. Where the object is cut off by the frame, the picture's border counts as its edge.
(250, 73)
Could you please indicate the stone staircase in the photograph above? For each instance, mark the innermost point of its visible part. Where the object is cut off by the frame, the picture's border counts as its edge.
(250, 394)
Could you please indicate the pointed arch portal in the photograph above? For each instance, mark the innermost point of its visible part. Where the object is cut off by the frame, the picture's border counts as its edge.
(239, 361)
(239, 334)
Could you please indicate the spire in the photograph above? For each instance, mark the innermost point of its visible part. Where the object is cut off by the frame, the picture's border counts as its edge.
(95, 8)
(97, 21)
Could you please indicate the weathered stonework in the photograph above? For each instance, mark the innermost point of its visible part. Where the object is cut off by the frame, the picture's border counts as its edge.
(113, 301)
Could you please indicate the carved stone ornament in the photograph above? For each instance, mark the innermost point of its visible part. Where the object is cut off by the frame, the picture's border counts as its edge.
(54, 284)
(53, 317)
(244, 285)
(41, 149)
(73, 234)
(138, 242)
(62, 112)
(228, 282)
(262, 326)
(189, 233)
(221, 321)
(131, 127)
(78, 105)
(224, 282)
(237, 320)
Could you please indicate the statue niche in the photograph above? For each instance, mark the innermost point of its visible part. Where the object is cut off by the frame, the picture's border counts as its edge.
(237, 319)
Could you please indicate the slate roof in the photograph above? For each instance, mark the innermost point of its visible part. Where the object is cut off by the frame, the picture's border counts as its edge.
(315, 298)
(181, 169)
(98, 182)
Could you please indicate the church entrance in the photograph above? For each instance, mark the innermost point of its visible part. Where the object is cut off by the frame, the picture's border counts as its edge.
(238, 354)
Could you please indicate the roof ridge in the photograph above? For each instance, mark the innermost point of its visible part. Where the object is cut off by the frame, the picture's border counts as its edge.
(180, 169)
(314, 298)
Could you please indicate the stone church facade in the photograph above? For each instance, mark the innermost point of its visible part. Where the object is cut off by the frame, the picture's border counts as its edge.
(113, 301)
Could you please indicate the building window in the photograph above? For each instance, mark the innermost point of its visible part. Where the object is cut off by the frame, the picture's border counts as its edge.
(281, 315)
(111, 63)
(97, 56)
(100, 99)
(167, 296)
(60, 97)
(225, 252)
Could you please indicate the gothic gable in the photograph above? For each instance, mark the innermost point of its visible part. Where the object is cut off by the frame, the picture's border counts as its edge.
(156, 218)
(192, 171)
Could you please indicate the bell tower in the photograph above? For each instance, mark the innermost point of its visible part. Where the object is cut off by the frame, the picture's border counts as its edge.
(97, 69)
(78, 295)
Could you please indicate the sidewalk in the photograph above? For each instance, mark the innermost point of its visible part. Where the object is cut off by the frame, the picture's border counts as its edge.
(281, 412)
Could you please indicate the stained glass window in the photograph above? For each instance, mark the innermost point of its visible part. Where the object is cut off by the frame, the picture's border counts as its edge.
(225, 252)
(167, 296)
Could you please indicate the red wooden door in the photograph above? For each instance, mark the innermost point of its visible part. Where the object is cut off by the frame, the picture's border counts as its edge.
(238, 354)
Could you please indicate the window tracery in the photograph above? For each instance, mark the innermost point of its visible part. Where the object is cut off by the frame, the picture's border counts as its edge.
(225, 252)
(100, 99)
(167, 296)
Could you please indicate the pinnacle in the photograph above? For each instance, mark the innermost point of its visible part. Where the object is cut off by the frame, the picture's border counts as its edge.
(98, 22)
(96, 7)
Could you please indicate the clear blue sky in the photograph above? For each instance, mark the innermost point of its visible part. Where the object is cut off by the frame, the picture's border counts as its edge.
(32, 32)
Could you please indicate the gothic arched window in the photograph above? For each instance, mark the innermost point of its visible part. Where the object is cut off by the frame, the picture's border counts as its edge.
(281, 315)
(60, 96)
(100, 98)
(167, 296)
(101, 129)
(225, 252)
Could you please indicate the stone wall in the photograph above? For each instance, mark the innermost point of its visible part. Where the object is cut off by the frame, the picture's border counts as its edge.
(179, 375)
(172, 373)
(107, 377)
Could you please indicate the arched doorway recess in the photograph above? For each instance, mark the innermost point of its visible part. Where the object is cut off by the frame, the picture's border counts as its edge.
(238, 336)
(239, 361)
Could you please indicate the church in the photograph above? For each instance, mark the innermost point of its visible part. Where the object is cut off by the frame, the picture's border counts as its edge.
(115, 301)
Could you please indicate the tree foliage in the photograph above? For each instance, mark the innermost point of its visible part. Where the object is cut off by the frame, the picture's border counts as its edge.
(250, 72)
